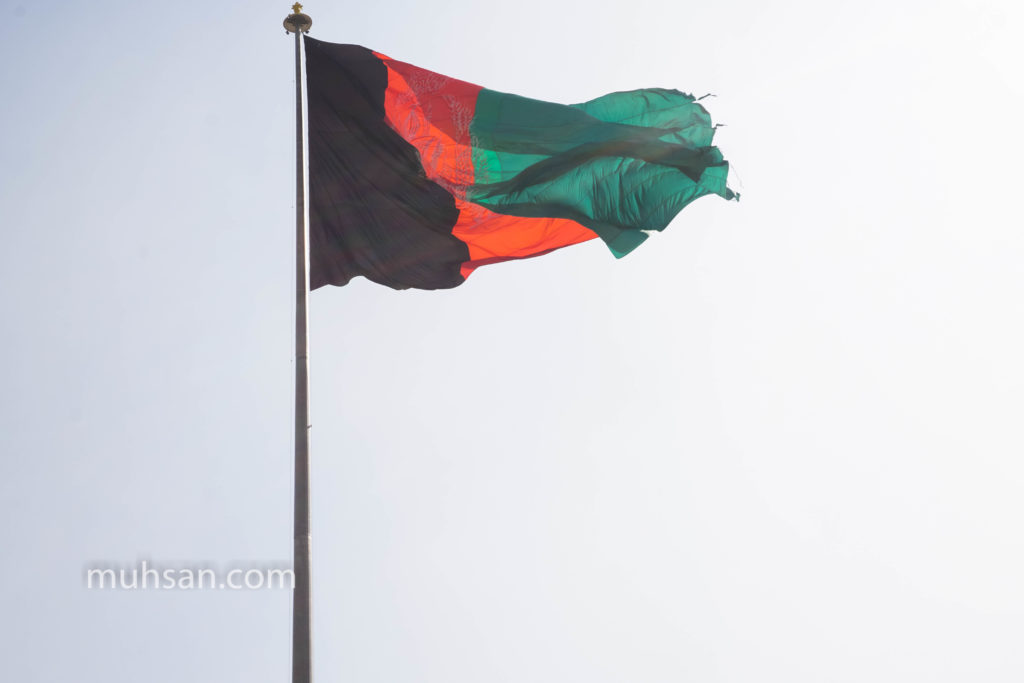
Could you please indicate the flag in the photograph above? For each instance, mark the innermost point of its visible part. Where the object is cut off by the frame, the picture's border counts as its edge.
(416, 179)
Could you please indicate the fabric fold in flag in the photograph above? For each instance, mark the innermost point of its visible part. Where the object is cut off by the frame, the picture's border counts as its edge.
(416, 179)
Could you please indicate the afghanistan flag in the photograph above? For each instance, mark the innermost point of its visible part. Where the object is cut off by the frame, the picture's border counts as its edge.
(416, 179)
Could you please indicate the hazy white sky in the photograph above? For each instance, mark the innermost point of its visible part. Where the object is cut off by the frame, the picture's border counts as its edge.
(779, 442)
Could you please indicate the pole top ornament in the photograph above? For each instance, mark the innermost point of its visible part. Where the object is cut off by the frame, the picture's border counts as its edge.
(297, 22)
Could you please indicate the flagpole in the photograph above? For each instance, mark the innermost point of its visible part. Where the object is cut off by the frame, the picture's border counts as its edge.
(302, 646)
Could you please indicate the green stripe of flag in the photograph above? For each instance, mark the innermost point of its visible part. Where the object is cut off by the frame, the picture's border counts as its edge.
(622, 164)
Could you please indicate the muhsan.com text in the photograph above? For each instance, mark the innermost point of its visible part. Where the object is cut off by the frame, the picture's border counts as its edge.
(144, 575)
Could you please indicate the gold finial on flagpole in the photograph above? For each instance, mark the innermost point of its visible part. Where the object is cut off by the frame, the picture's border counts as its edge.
(297, 22)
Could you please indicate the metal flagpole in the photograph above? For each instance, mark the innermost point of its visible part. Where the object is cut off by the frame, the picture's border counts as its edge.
(302, 650)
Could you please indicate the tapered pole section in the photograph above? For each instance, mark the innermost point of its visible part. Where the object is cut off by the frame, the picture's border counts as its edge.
(302, 646)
